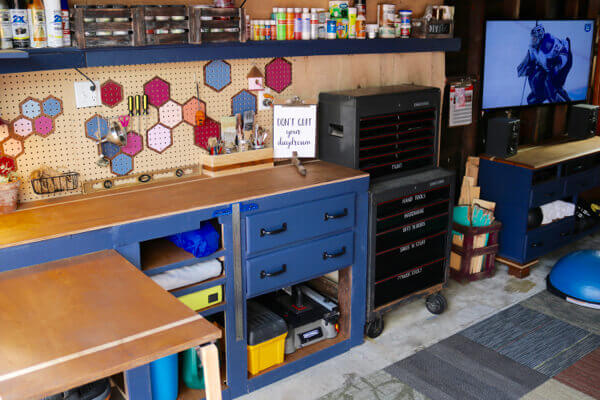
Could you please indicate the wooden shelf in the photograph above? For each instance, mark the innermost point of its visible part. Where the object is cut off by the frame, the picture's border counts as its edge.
(48, 59)
(161, 252)
(195, 287)
(303, 352)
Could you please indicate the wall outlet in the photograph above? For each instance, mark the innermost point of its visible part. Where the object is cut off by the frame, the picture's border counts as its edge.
(85, 97)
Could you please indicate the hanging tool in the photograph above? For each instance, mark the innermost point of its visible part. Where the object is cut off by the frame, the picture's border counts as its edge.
(124, 120)
(138, 111)
(201, 113)
(130, 106)
(144, 110)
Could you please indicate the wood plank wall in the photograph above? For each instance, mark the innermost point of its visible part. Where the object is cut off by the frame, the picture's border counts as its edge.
(538, 124)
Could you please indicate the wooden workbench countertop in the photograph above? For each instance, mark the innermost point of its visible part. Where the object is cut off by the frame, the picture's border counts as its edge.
(48, 220)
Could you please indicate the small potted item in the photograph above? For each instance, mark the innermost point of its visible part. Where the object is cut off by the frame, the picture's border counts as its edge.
(9, 185)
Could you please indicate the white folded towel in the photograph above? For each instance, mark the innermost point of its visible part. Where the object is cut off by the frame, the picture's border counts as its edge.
(184, 276)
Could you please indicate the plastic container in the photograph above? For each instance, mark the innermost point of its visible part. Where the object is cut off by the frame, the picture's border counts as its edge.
(200, 242)
(266, 338)
(204, 298)
(191, 369)
(352, 23)
(164, 376)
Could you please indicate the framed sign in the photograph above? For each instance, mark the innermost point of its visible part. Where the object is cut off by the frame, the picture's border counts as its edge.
(294, 129)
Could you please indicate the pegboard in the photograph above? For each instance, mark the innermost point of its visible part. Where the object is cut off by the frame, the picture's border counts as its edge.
(68, 147)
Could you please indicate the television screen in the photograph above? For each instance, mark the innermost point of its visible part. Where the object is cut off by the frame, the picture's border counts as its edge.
(536, 62)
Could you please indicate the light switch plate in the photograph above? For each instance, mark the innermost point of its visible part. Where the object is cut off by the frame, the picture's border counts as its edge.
(85, 97)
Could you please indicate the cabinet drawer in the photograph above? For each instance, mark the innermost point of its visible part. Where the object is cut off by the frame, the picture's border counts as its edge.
(395, 237)
(581, 182)
(275, 228)
(548, 238)
(546, 192)
(299, 263)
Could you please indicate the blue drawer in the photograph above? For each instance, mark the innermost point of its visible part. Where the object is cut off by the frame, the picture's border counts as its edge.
(276, 228)
(299, 263)
(546, 192)
(581, 182)
(547, 238)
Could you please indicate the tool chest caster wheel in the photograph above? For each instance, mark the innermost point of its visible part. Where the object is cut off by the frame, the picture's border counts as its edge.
(375, 327)
(436, 303)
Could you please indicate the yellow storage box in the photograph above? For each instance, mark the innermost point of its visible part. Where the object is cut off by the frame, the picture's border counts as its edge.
(204, 298)
(266, 338)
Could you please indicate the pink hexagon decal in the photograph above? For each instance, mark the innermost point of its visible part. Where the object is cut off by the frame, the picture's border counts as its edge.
(4, 132)
(111, 93)
(134, 144)
(278, 74)
(169, 114)
(13, 147)
(158, 91)
(159, 138)
(22, 127)
(43, 125)
(190, 108)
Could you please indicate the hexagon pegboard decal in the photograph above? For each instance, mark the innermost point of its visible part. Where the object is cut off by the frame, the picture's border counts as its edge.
(122, 164)
(96, 127)
(243, 101)
(4, 132)
(211, 128)
(158, 91)
(31, 108)
(13, 147)
(169, 114)
(111, 93)
(52, 106)
(159, 138)
(134, 144)
(217, 75)
(190, 108)
(43, 125)
(278, 74)
(22, 127)
(109, 150)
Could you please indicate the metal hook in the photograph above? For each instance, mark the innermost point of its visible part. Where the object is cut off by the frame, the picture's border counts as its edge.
(93, 87)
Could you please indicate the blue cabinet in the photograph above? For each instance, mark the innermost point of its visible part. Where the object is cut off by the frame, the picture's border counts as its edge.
(516, 189)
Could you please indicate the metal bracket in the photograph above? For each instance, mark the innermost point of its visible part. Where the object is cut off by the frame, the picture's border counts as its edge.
(237, 271)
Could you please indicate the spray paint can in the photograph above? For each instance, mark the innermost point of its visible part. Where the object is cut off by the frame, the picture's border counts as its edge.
(290, 17)
(323, 17)
(314, 25)
(273, 29)
(281, 23)
(64, 5)
(352, 23)
(297, 24)
(5, 26)
(306, 24)
(19, 24)
(54, 26)
(361, 26)
(37, 25)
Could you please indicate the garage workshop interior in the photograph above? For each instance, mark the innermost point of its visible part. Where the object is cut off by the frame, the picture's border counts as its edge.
(299, 199)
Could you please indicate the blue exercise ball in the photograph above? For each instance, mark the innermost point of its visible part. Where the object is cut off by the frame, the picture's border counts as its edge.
(576, 278)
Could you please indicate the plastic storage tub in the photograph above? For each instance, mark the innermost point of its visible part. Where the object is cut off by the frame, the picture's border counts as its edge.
(266, 338)
(164, 376)
(203, 298)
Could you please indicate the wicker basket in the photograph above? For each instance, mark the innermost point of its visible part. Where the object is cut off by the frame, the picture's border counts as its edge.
(9, 196)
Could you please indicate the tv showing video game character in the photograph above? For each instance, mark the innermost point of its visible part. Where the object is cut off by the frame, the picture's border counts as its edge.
(529, 62)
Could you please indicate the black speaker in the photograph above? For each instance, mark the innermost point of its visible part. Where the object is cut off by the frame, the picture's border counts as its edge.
(583, 120)
(502, 136)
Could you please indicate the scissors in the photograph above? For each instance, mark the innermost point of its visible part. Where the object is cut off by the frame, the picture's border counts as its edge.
(124, 120)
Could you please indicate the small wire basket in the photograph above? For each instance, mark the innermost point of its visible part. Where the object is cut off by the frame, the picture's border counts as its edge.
(54, 184)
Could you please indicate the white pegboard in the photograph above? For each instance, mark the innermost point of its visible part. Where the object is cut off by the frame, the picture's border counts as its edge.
(69, 148)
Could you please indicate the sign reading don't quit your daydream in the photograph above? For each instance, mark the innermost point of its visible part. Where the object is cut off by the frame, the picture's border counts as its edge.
(294, 129)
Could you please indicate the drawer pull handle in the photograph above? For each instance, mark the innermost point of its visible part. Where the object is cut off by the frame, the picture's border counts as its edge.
(327, 255)
(264, 232)
(534, 244)
(264, 274)
(563, 234)
(336, 216)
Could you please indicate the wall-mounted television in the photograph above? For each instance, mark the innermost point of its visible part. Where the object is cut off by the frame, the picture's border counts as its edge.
(532, 62)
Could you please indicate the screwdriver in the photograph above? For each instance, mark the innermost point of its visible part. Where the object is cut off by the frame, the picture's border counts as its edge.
(144, 109)
(138, 110)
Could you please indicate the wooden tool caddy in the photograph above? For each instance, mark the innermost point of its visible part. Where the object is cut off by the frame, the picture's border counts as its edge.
(227, 164)
(467, 252)
(95, 26)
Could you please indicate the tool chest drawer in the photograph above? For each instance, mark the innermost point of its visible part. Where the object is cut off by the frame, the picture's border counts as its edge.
(410, 255)
(276, 228)
(400, 218)
(581, 182)
(409, 281)
(413, 201)
(392, 237)
(299, 263)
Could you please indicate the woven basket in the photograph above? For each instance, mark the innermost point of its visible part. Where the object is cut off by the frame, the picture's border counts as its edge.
(9, 195)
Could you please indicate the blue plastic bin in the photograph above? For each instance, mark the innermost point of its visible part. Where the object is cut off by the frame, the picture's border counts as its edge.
(164, 374)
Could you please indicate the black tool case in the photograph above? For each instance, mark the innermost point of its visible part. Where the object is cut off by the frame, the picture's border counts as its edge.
(410, 227)
(385, 131)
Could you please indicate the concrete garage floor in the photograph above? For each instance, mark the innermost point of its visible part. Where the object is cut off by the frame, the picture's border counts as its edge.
(411, 328)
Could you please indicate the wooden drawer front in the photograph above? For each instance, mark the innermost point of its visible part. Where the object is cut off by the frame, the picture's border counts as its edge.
(546, 239)
(546, 192)
(410, 255)
(411, 281)
(581, 182)
(299, 263)
(275, 228)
